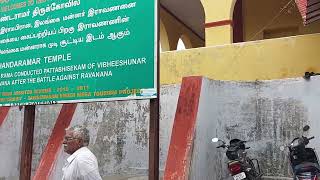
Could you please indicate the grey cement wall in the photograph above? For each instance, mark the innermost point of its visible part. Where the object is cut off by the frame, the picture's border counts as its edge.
(268, 114)
(10, 140)
(119, 135)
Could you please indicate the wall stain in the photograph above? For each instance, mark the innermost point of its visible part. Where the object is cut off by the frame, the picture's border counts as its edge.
(276, 123)
(123, 123)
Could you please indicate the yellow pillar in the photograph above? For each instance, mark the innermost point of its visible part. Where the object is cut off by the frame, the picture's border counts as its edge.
(164, 40)
(218, 21)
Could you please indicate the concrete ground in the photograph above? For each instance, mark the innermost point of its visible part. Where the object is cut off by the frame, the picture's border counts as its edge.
(118, 177)
(126, 178)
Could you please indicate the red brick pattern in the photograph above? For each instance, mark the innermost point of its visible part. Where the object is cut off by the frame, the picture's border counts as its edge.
(178, 160)
(54, 143)
(3, 114)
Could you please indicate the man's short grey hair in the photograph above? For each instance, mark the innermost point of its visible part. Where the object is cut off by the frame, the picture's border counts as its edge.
(82, 133)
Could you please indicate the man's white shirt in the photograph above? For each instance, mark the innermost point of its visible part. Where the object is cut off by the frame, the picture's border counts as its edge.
(81, 165)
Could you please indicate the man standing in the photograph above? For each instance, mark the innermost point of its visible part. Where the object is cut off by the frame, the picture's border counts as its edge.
(82, 164)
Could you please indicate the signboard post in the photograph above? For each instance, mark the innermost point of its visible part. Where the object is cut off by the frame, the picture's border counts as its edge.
(27, 143)
(70, 51)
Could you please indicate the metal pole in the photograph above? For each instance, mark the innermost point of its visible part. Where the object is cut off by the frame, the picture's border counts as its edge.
(27, 143)
(154, 140)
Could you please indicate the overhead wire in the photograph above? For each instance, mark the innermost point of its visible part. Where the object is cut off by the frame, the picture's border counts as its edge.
(272, 20)
(237, 53)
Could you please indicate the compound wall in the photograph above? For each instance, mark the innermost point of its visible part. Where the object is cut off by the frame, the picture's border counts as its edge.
(119, 136)
(268, 114)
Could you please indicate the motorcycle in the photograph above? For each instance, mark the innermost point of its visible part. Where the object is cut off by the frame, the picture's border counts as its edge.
(303, 160)
(240, 166)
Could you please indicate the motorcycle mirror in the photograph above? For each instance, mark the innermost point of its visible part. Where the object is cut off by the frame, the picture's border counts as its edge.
(215, 140)
(306, 128)
(282, 148)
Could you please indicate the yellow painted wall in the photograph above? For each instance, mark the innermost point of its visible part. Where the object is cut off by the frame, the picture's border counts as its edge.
(219, 35)
(257, 14)
(175, 30)
(217, 10)
(262, 60)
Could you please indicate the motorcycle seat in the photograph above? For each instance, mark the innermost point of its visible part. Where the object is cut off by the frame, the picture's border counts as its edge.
(232, 154)
(306, 167)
